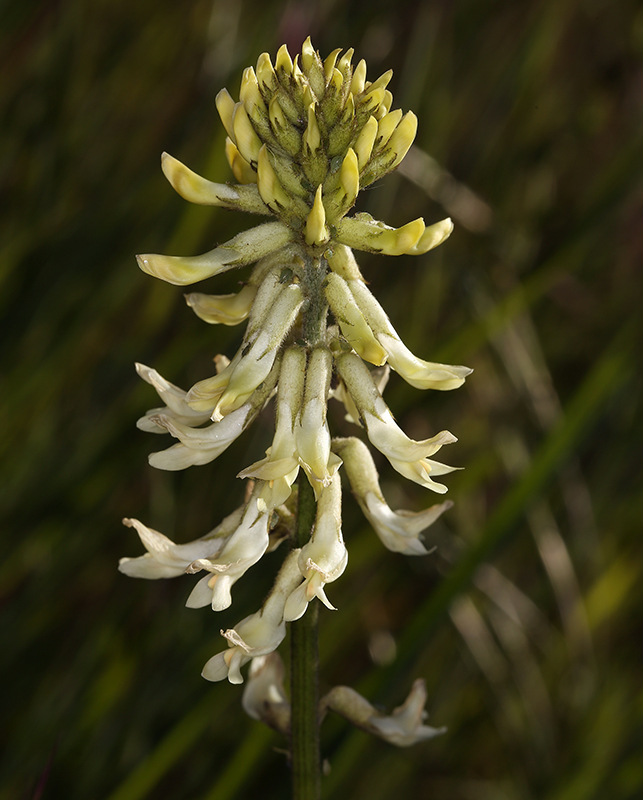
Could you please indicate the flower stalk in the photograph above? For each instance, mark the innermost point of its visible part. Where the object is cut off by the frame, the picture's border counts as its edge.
(305, 754)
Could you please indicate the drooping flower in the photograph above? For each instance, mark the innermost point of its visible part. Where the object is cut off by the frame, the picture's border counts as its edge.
(398, 531)
(280, 468)
(165, 559)
(409, 457)
(260, 633)
(264, 697)
(403, 727)
(324, 558)
(243, 548)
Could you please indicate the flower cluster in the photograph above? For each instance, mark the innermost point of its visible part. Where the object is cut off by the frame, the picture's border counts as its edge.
(303, 138)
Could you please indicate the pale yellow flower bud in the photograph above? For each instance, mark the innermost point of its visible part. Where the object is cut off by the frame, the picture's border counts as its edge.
(265, 73)
(225, 106)
(283, 61)
(196, 189)
(312, 136)
(344, 64)
(349, 179)
(335, 81)
(278, 119)
(250, 95)
(365, 140)
(329, 63)
(271, 191)
(402, 137)
(372, 100)
(246, 139)
(316, 230)
(241, 170)
(386, 126)
(383, 81)
(385, 105)
(359, 78)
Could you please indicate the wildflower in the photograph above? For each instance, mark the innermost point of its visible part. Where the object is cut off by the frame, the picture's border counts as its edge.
(281, 466)
(408, 457)
(241, 551)
(302, 140)
(165, 559)
(403, 727)
(264, 697)
(324, 558)
(398, 531)
(258, 634)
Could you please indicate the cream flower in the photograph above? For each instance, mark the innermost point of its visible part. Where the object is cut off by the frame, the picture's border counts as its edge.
(409, 457)
(324, 558)
(165, 559)
(398, 531)
(241, 551)
(351, 320)
(403, 727)
(312, 434)
(418, 373)
(264, 697)
(280, 467)
(202, 445)
(258, 634)
(176, 406)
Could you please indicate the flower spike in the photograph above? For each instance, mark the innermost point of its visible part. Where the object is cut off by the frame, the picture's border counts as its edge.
(305, 136)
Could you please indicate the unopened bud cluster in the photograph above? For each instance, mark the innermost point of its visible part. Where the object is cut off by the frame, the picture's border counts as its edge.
(303, 138)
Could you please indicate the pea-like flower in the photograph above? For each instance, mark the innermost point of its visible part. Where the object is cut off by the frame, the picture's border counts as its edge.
(324, 558)
(403, 727)
(165, 559)
(260, 633)
(409, 457)
(398, 531)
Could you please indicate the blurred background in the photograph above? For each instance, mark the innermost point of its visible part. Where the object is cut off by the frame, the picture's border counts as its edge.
(526, 621)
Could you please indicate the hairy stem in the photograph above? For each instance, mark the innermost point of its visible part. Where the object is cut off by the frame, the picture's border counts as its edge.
(317, 311)
(304, 736)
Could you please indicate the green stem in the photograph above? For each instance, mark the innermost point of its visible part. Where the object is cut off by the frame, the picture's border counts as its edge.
(304, 675)
(314, 328)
